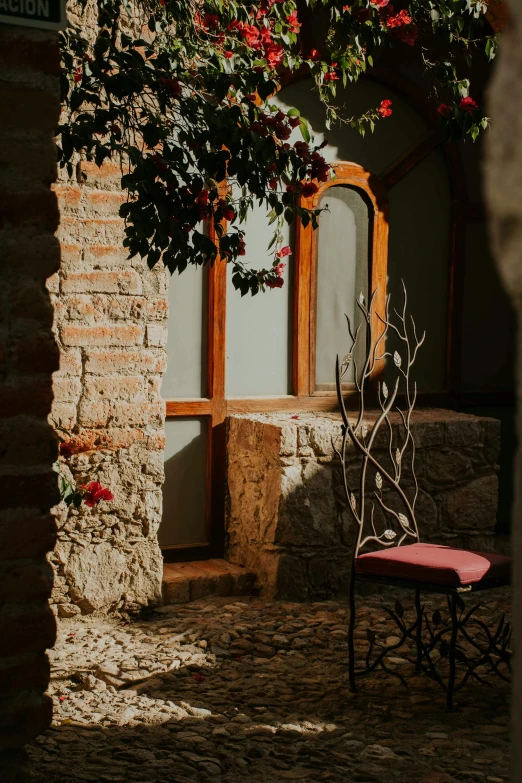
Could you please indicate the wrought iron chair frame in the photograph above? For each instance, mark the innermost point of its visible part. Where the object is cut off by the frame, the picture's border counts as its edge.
(495, 647)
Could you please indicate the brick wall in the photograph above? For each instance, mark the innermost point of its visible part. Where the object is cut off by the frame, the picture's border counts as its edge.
(29, 253)
(287, 518)
(110, 325)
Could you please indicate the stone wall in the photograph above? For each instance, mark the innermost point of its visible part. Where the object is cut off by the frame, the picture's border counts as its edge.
(287, 518)
(29, 253)
(504, 192)
(110, 325)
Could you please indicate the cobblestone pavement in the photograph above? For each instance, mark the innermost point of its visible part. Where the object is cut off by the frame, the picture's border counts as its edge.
(232, 690)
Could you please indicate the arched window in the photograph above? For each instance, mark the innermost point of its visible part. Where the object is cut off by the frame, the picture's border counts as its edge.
(389, 212)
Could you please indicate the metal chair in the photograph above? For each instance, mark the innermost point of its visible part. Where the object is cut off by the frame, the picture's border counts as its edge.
(463, 645)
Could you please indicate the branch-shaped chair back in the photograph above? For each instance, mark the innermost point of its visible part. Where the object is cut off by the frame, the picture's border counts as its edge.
(380, 476)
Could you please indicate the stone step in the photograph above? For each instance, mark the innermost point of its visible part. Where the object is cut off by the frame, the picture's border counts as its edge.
(184, 582)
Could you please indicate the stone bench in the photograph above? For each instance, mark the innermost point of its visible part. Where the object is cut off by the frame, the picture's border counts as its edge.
(286, 514)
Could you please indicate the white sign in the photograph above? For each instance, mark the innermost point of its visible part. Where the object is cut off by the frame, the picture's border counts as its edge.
(45, 14)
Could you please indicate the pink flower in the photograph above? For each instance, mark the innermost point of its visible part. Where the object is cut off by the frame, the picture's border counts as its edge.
(279, 269)
(285, 251)
(468, 104)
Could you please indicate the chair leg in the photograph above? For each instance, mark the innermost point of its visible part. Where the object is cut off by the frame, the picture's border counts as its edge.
(418, 632)
(351, 628)
(452, 645)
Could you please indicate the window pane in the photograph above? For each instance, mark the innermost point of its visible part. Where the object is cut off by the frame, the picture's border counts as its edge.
(186, 374)
(259, 328)
(342, 274)
(184, 490)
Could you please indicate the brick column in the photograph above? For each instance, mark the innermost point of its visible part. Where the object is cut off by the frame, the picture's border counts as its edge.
(504, 192)
(29, 253)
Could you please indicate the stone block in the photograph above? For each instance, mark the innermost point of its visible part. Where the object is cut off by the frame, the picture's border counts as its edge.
(96, 577)
(443, 466)
(112, 334)
(472, 506)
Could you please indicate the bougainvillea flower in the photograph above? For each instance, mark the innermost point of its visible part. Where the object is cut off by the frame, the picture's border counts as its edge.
(468, 104)
(384, 109)
(309, 189)
(285, 251)
(279, 269)
(66, 450)
(314, 55)
(444, 109)
(293, 22)
(94, 492)
(277, 283)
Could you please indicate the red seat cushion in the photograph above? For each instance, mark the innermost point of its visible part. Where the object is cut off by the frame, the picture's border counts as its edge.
(442, 565)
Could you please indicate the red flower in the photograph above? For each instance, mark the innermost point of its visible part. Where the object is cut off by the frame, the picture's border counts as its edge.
(94, 492)
(78, 75)
(362, 15)
(384, 109)
(202, 198)
(226, 210)
(274, 54)
(314, 55)
(242, 247)
(309, 189)
(294, 121)
(407, 35)
(251, 35)
(380, 3)
(65, 450)
(211, 20)
(302, 149)
(295, 416)
(293, 22)
(279, 269)
(229, 54)
(277, 283)
(398, 20)
(172, 86)
(285, 251)
(468, 104)
(444, 109)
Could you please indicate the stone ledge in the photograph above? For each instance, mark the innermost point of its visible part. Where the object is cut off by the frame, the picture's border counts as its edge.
(194, 580)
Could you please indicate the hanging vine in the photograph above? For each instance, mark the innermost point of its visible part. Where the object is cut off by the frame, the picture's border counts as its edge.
(180, 93)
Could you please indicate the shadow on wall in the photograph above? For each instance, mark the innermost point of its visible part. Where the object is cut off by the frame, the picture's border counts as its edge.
(288, 520)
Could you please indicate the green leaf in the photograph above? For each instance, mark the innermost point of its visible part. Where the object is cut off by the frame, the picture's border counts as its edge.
(305, 130)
